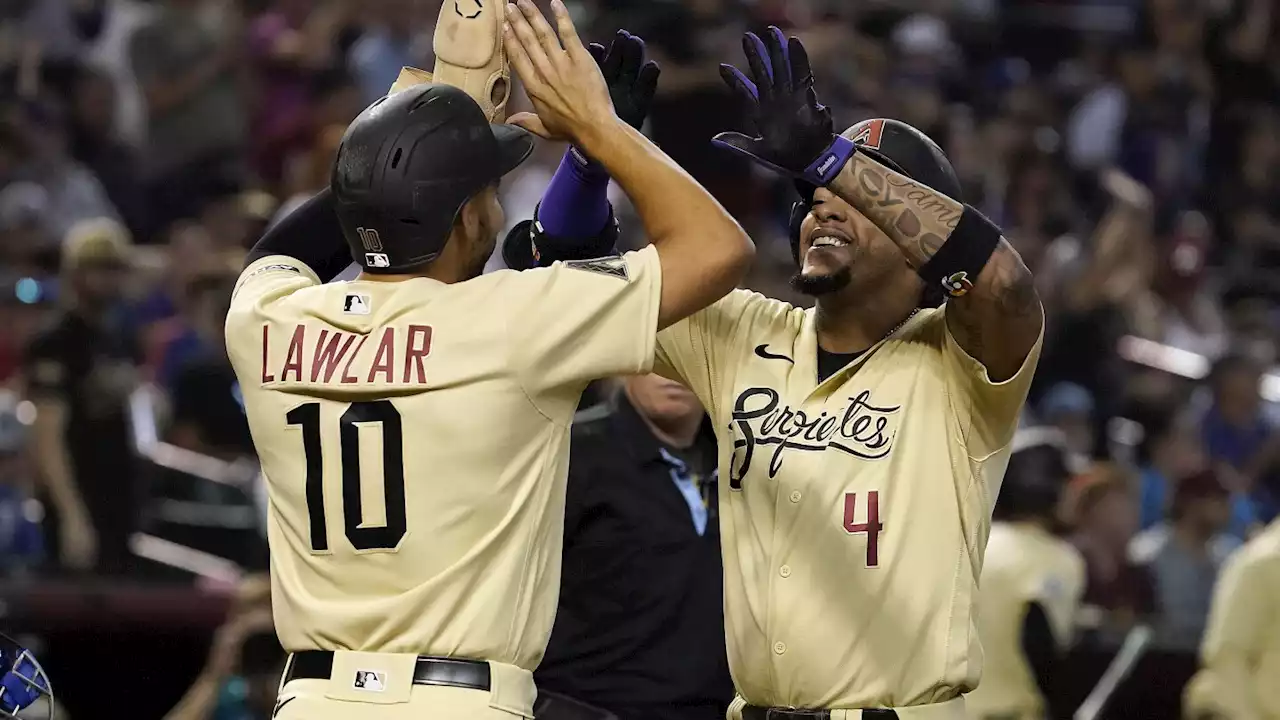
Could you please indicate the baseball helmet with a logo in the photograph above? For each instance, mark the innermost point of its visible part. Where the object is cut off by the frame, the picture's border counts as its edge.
(408, 164)
(896, 145)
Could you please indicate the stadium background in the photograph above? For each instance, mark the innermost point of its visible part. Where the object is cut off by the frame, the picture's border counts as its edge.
(1128, 147)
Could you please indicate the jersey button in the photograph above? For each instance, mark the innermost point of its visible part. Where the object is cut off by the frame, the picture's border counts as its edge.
(785, 571)
(795, 496)
(779, 647)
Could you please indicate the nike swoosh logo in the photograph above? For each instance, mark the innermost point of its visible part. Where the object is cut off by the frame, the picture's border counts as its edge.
(281, 704)
(762, 351)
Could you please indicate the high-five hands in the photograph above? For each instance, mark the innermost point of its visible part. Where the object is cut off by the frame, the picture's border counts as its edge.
(796, 134)
(570, 96)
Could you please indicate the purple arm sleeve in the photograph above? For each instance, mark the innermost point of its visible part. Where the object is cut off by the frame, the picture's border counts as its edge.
(576, 203)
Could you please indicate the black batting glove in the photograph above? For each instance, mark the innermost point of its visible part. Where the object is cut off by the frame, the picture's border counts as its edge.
(796, 133)
(631, 79)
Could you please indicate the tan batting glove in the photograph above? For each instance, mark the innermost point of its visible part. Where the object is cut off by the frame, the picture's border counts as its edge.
(470, 55)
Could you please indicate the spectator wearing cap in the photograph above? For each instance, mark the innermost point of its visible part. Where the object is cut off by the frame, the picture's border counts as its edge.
(79, 373)
(1186, 553)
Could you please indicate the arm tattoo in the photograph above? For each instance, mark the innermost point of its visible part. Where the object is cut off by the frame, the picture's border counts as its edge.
(998, 321)
(916, 218)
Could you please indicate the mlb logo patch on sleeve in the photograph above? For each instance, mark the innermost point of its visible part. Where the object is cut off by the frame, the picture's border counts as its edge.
(611, 265)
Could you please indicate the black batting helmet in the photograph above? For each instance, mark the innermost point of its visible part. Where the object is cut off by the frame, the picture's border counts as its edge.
(1039, 468)
(899, 147)
(408, 164)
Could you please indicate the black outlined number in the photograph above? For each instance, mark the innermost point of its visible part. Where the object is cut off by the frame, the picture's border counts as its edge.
(383, 413)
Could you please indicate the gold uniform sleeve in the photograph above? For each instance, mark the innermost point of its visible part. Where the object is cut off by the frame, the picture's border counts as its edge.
(988, 410)
(582, 320)
(1229, 648)
(699, 350)
(264, 283)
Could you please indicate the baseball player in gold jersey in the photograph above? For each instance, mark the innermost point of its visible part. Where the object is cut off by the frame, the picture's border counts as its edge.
(862, 442)
(1240, 654)
(1031, 586)
(413, 424)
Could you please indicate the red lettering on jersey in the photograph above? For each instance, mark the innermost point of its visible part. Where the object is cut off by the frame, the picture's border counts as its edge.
(419, 347)
(266, 376)
(293, 358)
(871, 527)
(347, 377)
(382, 358)
(328, 356)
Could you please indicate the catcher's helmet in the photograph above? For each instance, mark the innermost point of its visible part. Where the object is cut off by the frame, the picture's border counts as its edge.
(899, 147)
(1039, 468)
(22, 680)
(406, 166)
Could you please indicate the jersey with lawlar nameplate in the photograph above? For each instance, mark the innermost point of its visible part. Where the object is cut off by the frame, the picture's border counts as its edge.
(856, 510)
(414, 436)
(1023, 564)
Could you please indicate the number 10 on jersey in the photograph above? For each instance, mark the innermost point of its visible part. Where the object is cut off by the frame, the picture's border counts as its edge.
(361, 537)
(871, 526)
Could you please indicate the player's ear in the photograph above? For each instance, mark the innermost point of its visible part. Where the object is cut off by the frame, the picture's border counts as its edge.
(470, 218)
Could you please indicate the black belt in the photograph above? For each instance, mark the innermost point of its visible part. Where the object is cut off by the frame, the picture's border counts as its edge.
(452, 672)
(752, 712)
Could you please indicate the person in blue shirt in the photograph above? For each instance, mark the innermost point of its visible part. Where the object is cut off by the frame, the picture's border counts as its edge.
(1171, 448)
(1236, 432)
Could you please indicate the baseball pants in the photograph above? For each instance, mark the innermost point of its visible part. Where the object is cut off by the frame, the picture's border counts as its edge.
(389, 686)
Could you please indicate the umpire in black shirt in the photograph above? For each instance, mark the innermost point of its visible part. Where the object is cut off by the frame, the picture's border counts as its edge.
(639, 633)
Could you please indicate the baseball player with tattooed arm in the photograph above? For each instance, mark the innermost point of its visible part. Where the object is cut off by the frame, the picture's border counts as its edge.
(413, 424)
(862, 442)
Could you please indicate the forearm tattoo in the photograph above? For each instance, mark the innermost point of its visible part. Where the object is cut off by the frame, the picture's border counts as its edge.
(997, 321)
(916, 218)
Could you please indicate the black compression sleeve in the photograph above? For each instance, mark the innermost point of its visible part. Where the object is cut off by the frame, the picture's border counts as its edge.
(309, 234)
(1041, 650)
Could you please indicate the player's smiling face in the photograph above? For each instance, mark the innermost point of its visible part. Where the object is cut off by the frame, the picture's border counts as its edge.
(840, 247)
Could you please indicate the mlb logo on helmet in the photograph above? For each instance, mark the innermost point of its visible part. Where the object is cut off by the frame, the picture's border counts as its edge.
(377, 260)
(23, 681)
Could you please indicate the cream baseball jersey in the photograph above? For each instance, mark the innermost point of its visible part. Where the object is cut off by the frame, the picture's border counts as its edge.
(1024, 564)
(853, 512)
(414, 437)
(1240, 652)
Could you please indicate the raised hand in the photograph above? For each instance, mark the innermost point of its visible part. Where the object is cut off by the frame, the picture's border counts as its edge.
(569, 93)
(796, 133)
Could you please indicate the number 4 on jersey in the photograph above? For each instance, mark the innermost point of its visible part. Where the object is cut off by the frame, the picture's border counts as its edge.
(871, 526)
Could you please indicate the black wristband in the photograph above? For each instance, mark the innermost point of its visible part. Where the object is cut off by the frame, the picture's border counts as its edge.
(956, 265)
(529, 246)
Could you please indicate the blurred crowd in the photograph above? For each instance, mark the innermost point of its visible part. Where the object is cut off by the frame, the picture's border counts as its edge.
(1130, 149)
